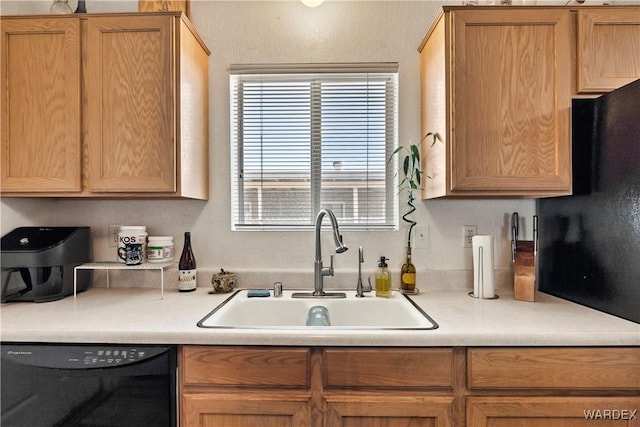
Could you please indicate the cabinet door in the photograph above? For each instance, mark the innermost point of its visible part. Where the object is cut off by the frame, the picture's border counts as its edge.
(245, 386)
(510, 131)
(574, 411)
(130, 106)
(393, 387)
(608, 48)
(386, 410)
(40, 140)
(245, 409)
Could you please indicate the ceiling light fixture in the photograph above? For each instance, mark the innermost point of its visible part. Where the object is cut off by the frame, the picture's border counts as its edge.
(312, 3)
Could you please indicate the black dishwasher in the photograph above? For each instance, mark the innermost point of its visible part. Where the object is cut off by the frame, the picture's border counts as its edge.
(88, 385)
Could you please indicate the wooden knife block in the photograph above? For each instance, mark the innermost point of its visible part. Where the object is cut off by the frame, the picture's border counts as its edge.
(524, 272)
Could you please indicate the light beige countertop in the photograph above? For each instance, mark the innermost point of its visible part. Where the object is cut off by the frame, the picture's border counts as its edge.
(140, 316)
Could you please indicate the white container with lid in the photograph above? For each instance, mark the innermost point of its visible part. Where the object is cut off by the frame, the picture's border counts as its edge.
(160, 249)
(132, 236)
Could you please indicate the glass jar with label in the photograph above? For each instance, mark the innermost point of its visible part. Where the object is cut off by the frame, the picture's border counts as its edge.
(132, 244)
(160, 249)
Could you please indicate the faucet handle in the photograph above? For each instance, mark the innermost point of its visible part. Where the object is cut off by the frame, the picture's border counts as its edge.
(277, 289)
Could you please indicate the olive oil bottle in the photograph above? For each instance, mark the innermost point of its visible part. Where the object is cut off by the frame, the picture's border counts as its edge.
(408, 274)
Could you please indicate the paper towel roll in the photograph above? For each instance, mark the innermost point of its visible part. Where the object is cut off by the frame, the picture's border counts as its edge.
(483, 273)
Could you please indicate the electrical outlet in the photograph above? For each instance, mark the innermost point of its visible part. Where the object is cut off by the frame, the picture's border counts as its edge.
(112, 234)
(421, 236)
(468, 231)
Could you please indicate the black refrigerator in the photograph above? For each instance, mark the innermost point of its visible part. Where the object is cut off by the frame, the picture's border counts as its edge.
(589, 250)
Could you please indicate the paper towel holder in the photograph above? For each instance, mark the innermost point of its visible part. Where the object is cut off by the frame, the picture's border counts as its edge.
(473, 295)
(480, 274)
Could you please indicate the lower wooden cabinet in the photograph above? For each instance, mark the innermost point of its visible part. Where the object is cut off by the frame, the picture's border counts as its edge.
(224, 386)
(553, 387)
(403, 387)
(540, 411)
(316, 387)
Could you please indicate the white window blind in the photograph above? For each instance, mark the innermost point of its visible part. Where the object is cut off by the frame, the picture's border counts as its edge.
(307, 137)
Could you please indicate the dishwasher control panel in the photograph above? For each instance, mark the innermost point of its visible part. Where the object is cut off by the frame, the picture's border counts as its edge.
(79, 357)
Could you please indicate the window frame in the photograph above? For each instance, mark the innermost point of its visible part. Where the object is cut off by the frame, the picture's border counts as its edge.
(288, 73)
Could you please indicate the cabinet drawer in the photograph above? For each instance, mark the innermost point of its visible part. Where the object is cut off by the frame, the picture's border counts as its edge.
(555, 368)
(388, 368)
(242, 366)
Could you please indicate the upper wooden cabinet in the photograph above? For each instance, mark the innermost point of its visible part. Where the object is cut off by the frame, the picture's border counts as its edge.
(124, 111)
(496, 86)
(497, 83)
(40, 104)
(608, 50)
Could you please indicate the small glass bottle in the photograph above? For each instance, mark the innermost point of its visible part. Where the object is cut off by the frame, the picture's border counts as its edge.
(383, 279)
(187, 277)
(60, 7)
(408, 274)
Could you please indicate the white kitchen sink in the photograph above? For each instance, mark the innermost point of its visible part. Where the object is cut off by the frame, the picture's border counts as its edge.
(395, 312)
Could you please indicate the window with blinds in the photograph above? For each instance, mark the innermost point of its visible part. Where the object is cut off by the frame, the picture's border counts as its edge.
(307, 137)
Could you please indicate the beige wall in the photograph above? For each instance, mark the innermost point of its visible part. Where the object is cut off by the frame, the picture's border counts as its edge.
(286, 31)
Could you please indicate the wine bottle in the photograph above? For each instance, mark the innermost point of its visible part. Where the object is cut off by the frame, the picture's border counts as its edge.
(187, 278)
(408, 274)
